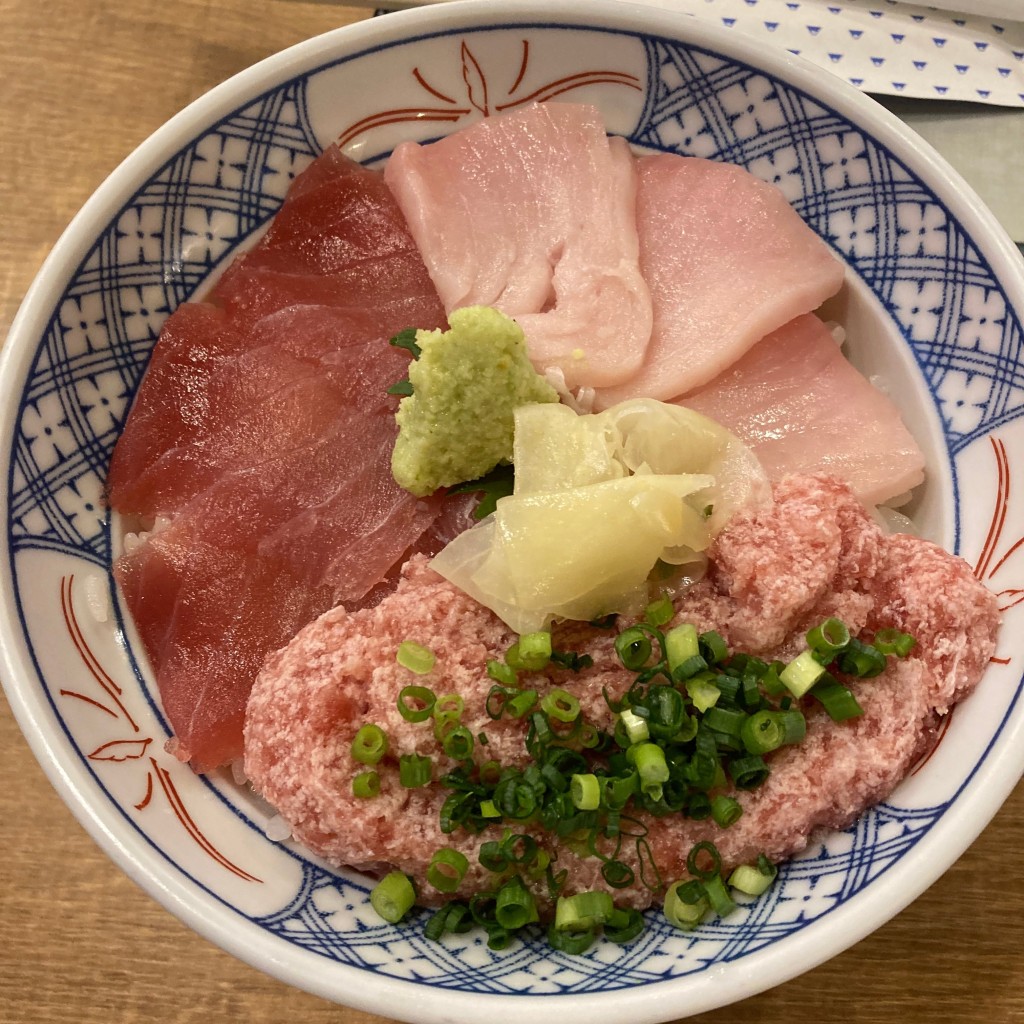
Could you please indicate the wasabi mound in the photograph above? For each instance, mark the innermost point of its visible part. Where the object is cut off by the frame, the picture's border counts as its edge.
(467, 382)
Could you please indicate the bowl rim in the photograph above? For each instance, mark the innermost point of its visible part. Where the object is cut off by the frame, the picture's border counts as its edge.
(994, 779)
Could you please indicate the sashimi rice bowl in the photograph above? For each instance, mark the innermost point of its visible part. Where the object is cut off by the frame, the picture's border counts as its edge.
(508, 511)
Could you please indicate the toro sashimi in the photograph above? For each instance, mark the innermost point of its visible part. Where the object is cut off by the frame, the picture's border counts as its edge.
(533, 213)
(727, 260)
(804, 408)
(262, 433)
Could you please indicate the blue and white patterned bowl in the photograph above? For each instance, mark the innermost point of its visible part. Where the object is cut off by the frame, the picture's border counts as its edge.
(934, 303)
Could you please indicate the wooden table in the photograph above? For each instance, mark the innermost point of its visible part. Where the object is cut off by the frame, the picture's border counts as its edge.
(72, 109)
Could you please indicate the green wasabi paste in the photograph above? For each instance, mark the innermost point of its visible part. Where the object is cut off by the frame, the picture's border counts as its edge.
(466, 384)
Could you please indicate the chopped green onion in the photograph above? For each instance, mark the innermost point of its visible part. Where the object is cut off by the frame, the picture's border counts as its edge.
(633, 647)
(458, 744)
(892, 641)
(748, 772)
(522, 703)
(534, 650)
(488, 809)
(685, 904)
(689, 668)
(520, 849)
(449, 704)
(393, 896)
(585, 791)
(754, 879)
(827, 639)
(725, 721)
(725, 810)
(837, 700)
(718, 896)
(515, 905)
(561, 705)
(370, 744)
(659, 613)
(492, 856)
(712, 647)
(634, 726)
(765, 731)
(623, 926)
(861, 660)
(366, 785)
(681, 644)
(416, 703)
(583, 911)
(617, 874)
(649, 761)
(704, 861)
(447, 869)
(802, 673)
(414, 770)
(703, 693)
(502, 672)
(415, 657)
(573, 943)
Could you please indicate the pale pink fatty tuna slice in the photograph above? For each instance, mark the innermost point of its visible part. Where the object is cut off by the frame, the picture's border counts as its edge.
(263, 430)
(804, 408)
(533, 212)
(727, 260)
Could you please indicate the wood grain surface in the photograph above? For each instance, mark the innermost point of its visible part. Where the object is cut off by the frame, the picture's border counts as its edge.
(85, 81)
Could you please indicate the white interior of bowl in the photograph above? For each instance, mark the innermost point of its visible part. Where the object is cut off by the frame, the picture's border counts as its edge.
(217, 895)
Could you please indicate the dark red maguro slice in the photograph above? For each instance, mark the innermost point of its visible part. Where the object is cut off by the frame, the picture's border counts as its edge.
(262, 430)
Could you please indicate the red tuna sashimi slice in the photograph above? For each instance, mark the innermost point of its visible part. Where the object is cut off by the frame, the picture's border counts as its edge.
(803, 408)
(533, 212)
(260, 403)
(254, 557)
(337, 214)
(264, 427)
(727, 260)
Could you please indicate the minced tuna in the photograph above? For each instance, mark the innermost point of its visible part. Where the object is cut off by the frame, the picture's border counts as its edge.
(815, 553)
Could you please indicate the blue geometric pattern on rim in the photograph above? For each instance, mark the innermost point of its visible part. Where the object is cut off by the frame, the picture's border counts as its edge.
(206, 200)
(885, 223)
(815, 884)
(217, 190)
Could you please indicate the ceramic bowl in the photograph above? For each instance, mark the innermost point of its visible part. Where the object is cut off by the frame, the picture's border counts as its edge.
(933, 303)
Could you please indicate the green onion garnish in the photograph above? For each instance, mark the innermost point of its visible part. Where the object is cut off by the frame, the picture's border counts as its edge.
(802, 673)
(370, 744)
(585, 791)
(633, 648)
(534, 651)
(838, 701)
(447, 869)
(827, 639)
(415, 657)
(892, 641)
(754, 879)
(659, 613)
(725, 810)
(366, 785)
(416, 703)
(861, 660)
(414, 770)
(502, 672)
(561, 705)
(765, 731)
(393, 896)
(685, 904)
(458, 743)
(582, 912)
(515, 906)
